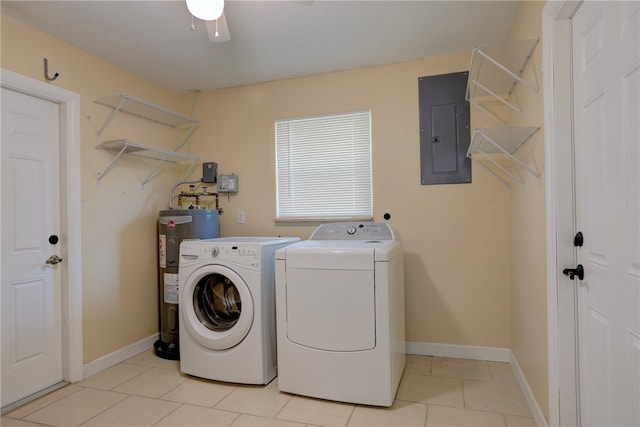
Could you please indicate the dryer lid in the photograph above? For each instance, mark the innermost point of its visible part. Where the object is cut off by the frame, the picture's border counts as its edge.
(333, 253)
(339, 254)
(330, 257)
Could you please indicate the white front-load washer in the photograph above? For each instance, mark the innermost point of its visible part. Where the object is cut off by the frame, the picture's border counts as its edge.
(227, 326)
(340, 314)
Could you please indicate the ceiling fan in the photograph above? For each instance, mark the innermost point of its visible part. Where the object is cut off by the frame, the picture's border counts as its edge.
(212, 13)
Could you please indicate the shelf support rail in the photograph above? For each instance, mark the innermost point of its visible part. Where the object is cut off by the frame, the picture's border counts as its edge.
(186, 136)
(155, 169)
(111, 165)
(503, 169)
(111, 116)
(186, 173)
(184, 139)
(495, 95)
(488, 112)
(534, 172)
(508, 71)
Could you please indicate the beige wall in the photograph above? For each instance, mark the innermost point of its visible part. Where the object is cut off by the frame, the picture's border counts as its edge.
(119, 240)
(474, 252)
(528, 227)
(456, 237)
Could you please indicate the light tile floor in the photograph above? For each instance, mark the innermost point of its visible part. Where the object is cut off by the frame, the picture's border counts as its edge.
(148, 391)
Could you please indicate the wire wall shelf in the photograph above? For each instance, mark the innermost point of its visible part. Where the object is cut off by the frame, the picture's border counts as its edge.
(145, 110)
(125, 103)
(506, 141)
(495, 72)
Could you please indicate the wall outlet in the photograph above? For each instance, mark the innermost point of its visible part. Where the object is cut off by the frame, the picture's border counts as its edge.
(387, 215)
(240, 217)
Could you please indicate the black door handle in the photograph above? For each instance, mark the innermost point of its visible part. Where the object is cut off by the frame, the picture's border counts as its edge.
(572, 272)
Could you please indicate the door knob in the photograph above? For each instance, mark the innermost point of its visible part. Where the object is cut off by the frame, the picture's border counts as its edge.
(572, 272)
(53, 260)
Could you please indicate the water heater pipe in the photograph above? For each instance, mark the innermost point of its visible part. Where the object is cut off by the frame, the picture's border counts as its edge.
(174, 189)
(197, 196)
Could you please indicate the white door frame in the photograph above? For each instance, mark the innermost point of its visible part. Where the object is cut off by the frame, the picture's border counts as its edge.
(70, 212)
(561, 292)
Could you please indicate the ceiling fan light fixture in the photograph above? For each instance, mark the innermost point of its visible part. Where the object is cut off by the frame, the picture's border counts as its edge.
(207, 10)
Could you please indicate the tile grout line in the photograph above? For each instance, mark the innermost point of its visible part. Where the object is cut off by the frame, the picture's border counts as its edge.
(119, 384)
(43, 407)
(160, 420)
(353, 409)
(104, 410)
(426, 415)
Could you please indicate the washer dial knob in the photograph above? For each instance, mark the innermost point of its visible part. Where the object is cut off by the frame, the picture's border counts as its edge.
(351, 230)
(215, 251)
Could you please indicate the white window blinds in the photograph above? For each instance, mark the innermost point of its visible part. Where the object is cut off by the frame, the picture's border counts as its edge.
(323, 167)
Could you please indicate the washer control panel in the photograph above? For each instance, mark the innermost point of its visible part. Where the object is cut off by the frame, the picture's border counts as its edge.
(238, 253)
(353, 230)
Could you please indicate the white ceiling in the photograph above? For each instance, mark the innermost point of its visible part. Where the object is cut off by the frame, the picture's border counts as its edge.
(270, 40)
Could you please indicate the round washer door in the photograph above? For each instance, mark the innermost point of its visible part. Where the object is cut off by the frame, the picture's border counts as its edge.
(217, 307)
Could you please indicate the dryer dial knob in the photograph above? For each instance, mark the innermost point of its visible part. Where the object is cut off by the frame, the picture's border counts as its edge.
(215, 251)
(351, 230)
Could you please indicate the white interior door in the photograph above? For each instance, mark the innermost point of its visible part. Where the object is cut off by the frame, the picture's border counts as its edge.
(606, 70)
(31, 288)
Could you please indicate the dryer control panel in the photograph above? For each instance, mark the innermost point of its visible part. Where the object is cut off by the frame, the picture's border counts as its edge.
(353, 230)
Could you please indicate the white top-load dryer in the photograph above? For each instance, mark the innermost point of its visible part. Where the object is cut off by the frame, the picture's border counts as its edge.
(340, 314)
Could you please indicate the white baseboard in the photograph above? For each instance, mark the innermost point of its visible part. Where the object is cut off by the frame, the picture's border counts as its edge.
(117, 356)
(538, 416)
(492, 354)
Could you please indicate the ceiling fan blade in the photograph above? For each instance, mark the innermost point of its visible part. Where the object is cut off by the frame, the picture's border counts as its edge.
(223, 30)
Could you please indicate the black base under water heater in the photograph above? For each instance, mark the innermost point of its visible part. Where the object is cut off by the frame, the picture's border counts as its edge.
(174, 226)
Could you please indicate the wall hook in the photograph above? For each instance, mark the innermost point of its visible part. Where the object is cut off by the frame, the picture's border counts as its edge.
(46, 71)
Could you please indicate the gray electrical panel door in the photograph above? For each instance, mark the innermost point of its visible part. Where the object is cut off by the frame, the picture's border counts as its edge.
(444, 129)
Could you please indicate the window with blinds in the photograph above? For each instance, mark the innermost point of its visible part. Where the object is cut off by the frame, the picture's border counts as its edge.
(323, 167)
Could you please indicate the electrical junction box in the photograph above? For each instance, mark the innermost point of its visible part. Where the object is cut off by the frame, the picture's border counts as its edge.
(209, 172)
(228, 183)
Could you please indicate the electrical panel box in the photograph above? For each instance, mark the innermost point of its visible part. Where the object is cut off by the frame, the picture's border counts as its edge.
(228, 183)
(444, 129)
(209, 172)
